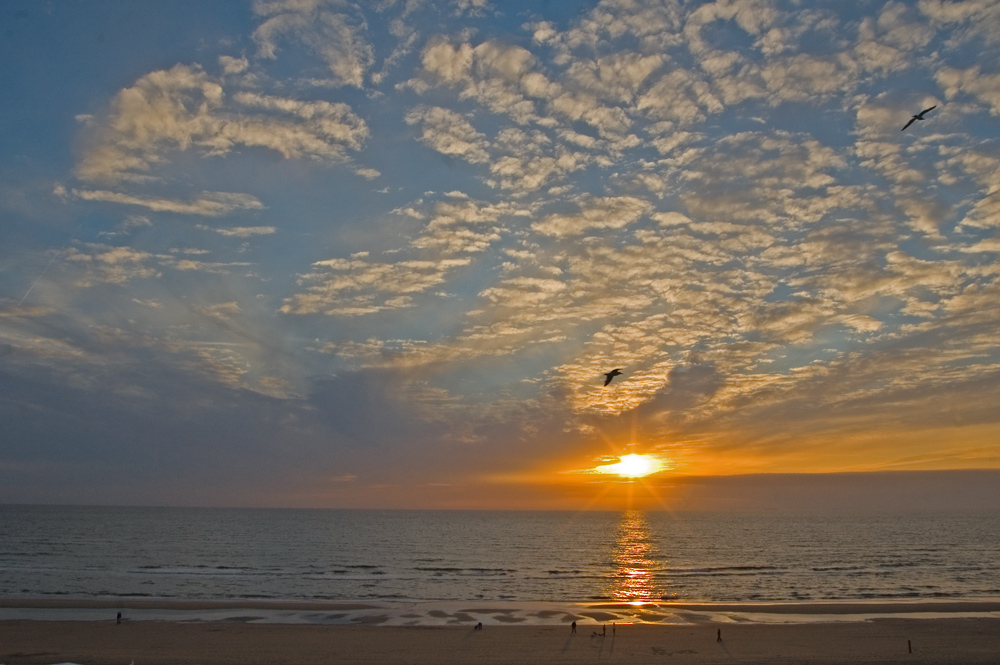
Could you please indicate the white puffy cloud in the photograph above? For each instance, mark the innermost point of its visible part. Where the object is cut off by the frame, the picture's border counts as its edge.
(526, 161)
(450, 134)
(803, 77)
(594, 213)
(461, 226)
(985, 213)
(489, 73)
(617, 77)
(981, 18)
(902, 27)
(232, 65)
(681, 97)
(653, 23)
(985, 87)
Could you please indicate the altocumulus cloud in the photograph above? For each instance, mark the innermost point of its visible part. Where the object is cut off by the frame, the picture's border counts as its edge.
(423, 232)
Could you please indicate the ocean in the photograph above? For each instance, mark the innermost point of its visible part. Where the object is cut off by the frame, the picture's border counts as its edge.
(404, 557)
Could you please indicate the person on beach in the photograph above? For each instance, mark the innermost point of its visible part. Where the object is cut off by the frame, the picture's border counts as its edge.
(118, 619)
(572, 628)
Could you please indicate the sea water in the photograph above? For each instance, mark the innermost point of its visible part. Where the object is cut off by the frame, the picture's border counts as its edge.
(53, 552)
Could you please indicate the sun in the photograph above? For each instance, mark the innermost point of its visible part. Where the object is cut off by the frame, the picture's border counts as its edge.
(633, 466)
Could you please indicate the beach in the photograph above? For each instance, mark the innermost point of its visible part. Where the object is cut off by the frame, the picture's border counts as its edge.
(155, 643)
(245, 634)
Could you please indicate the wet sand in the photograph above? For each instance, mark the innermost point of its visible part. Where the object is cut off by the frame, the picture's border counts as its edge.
(465, 613)
(935, 640)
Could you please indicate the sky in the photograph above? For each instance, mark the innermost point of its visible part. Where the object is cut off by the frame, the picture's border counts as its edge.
(325, 253)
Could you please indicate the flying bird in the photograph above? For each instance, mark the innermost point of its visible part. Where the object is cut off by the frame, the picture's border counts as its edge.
(610, 375)
(919, 116)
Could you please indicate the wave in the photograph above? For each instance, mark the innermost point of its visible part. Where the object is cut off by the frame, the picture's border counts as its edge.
(466, 571)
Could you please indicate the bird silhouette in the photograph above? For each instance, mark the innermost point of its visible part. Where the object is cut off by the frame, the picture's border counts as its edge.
(610, 375)
(919, 116)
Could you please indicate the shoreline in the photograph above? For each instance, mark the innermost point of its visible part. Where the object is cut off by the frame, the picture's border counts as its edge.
(465, 613)
(936, 641)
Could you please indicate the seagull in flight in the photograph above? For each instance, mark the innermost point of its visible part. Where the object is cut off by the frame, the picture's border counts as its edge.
(610, 375)
(919, 116)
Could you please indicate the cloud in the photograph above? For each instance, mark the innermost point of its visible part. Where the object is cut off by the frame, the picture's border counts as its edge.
(449, 133)
(321, 130)
(184, 108)
(489, 73)
(222, 312)
(232, 65)
(875, 56)
(679, 96)
(595, 213)
(354, 287)
(714, 197)
(209, 204)
(240, 231)
(526, 161)
(368, 174)
(336, 37)
(19, 311)
(903, 28)
(805, 77)
(111, 265)
(95, 264)
(982, 18)
(617, 77)
(461, 226)
(984, 87)
(655, 26)
(131, 223)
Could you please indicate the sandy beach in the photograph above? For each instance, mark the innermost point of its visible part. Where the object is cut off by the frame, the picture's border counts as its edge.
(905, 640)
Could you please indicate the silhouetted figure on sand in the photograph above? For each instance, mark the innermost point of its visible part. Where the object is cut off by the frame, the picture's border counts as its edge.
(572, 628)
(611, 375)
(118, 619)
(919, 116)
(479, 626)
(718, 635)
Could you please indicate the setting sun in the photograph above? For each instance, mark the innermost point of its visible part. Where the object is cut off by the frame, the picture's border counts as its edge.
(633, 466)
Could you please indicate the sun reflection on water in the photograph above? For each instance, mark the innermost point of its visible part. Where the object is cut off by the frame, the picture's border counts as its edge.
(635, 559)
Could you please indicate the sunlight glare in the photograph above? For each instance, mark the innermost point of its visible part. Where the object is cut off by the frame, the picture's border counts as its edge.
(633, 466)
